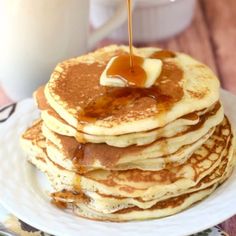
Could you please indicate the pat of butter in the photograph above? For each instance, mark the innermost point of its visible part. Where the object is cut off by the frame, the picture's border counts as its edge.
(152, 68)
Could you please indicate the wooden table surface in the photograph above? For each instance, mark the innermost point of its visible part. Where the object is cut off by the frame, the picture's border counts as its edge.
(211, 38)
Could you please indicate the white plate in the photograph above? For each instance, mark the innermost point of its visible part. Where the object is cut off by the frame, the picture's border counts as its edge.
(23, 191)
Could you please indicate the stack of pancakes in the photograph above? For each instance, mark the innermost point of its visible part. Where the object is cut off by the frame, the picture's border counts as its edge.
(123, 154)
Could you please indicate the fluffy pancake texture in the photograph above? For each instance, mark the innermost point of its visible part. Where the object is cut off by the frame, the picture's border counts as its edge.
(127, 189)
(121, 154)
(74, 85)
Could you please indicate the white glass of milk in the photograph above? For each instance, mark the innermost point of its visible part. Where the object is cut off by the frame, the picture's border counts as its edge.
(37, 34)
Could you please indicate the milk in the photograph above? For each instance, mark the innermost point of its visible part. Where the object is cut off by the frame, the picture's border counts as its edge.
(34, 36)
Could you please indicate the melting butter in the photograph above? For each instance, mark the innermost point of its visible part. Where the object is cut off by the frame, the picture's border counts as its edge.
(143, 74)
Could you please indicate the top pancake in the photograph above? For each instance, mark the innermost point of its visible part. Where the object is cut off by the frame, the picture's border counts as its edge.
(73, 91)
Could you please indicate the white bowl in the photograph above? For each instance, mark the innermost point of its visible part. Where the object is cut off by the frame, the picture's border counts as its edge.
(152, 19)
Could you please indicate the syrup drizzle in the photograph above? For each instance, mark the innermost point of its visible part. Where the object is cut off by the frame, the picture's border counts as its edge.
(129, 67)
(130, 33)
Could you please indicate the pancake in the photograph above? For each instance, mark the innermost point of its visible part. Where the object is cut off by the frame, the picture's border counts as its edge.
(74, 92)
(143, 184)
(161, 209)
(180, 156)
(147, 184)
(69, 153)
(58, 125)
(218, 175)
(33, 141)
(109, 204)
(153, 207)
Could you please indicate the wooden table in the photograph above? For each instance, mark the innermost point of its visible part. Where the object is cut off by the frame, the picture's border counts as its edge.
(211, 38)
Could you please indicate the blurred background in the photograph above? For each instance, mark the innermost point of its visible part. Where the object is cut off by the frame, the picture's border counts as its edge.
(37, 35)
